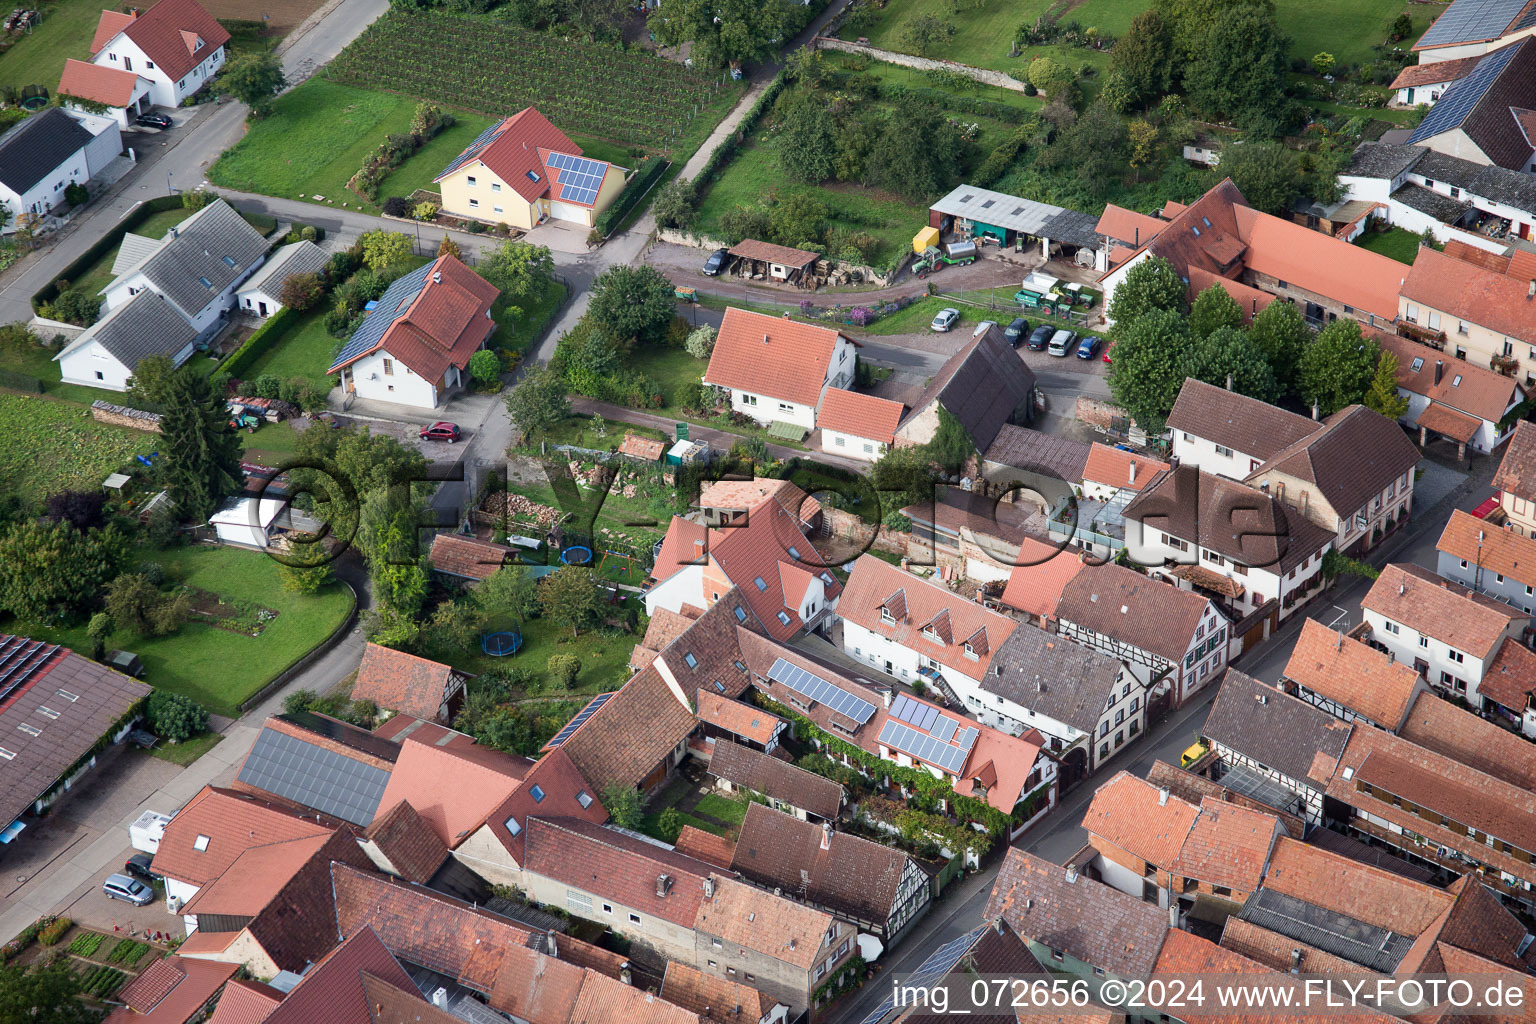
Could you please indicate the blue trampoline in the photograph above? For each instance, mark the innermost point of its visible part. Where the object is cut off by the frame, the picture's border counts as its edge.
(502, 643)
(584, 558)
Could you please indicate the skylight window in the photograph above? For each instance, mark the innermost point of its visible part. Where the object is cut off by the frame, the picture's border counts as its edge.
(514, 826)
(229, 260)
(719, 686)
(584, 798)
(784, 618)
(691, 660)
(1418, 363)
(30, 730)
(1206, 221)
(1456, 381)
(1195, 230)
(9, 755)
(200, 844)
(794, 552)
(760, 584)
(47, 712)
(205, 283)
(533, 176)
(740, 666)
(537, 794)
(741, 615)
(71, 697)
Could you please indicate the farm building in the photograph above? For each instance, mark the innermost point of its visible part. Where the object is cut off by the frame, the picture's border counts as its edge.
(523, 171)
(1013, 222)
(763, 260)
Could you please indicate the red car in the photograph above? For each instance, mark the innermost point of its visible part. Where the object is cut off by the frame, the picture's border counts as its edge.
(1107, 350)
(441, 431)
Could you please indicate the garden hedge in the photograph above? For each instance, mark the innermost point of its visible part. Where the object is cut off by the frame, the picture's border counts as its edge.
(634, 190)
(732, 143)
(110, 241)
(258, 343)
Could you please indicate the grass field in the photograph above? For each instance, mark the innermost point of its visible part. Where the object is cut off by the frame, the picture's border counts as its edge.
(1400, 245)
(294, 153)
(66, 31)
(213, 666)
(187, 751)
(304, 350)
(48, 446)
(604, 659)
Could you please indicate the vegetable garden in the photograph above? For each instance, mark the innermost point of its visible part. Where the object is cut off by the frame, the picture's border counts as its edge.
(498, 69)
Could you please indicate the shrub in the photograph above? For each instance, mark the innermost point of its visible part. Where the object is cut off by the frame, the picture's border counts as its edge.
(302, 291)
(397, 206)
(700, 343)
(424, 211)
(76, 194)
(267, 386)
(54, 930)
(176, 716)
(563, 670)
(670, 824)
(197, 198)
(485, 367)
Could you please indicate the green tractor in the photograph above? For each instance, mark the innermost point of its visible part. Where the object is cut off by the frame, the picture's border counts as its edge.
(933, 258)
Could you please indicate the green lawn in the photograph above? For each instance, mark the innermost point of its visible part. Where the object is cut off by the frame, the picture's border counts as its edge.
(604, 659)
(295, 152)
(732, 812)
(216, 667)
(38, 58)
(271, 443)
(48, 446)
(1397, 243)
(187, 751)
(515, 334)
(1348, 29)
(304, 350)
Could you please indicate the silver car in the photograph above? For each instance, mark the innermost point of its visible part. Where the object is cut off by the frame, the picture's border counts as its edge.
(129, 890)
(946, 319)
(1061, 342)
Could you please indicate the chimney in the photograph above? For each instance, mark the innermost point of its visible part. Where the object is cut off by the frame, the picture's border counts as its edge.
(437, 277)
(1133, 471)
(175, 233)
(549, 943)
(1071, 874)
(709, 891)
(663, 884)
(826, 835)
(1295, 960)
(887, 697)
(1229, 382)
(1173, 913)
(1401, 590)
(765, 339)
(624, 973)
(1316, 412)
(1530, 291)
(1162, 797)
(1262, 698)
(1039, 685)
(1029, 904)
(1439, 369)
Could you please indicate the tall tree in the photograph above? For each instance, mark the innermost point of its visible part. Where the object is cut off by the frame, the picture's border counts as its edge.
(253, 79)
(512, 589)
(1150, 285)
(1227, 352)
(1266, 172)
(1281, 334)
(47, 992)
(1238, 71)
(1144, 57)
(538, 401)
(1094, 146)
(388, 536)
(634, 302)
(919, 151)
(1338, 366)
(807, 141)
(1149, 355)
(1212, 309)
(519, 269)
(151, 379)
(201, 452)
(926, 32)
(571, 597)
(48, 568)
(1382, 394)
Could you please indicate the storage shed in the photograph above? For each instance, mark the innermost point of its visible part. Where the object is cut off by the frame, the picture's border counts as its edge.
(250, 522)
(1014, 222)
(760, 260)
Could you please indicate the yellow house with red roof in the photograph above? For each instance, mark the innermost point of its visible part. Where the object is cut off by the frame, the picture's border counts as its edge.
(523, 171)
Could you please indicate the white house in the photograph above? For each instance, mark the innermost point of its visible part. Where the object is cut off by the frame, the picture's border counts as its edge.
(251, 522)
(1222, 432)
(124, 94)
(859, 426)
(197, 266)
(106, 353)
(1426, 83)
(39, 158)
(262, 293)
(778, 370)
(175, 45)
(1449, 633)
(910, 628)
(1451, 397)
(106, 143)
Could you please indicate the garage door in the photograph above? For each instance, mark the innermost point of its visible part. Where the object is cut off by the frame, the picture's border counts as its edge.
(570, 211)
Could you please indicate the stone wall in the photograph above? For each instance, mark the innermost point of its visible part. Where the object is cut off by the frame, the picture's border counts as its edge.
(906, 60)
(122, 416)
(849, 527)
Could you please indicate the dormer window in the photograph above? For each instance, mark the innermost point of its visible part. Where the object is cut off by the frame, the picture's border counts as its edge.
(826, 578)
(970, 652)
(200, 844)
(932, 634)
(886, 616)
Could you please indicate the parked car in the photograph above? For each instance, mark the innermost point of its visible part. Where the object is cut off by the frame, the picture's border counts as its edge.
(1041, 337)
(1088, 347)
(715, 263)
(983, 328)
(440, 431)
(129, 890)
(946, 319)
(1061, 342)
(1107, 350)
(139, 867)
(153, 120)
(1016, 331)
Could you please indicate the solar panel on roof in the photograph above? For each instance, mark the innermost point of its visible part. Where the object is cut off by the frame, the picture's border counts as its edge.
(925, 747)
(474, 149)
(929, 972)
(581, 717)
(818, 689)
(1469, 20)
(20, 660)
(944, 728)
(314, 776)
(1457, 101)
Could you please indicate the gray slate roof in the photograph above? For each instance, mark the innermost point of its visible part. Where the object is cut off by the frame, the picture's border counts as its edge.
(1280, 731)
(30, 151)
(1431, 203)
(983, 386)
(1053, 454)
(135, 249)
(1382, 160)
(1491, 181)
(1052, 676)
(145, 325)
(298, 258)
(215, 244)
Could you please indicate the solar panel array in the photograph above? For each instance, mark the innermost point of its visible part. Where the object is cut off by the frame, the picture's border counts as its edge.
(939, 963)
(821, 691)
(315, 777)
(1372, 947)
(580, 178)
(1468, 20)
(947, 756)
(581, 717)
(481, 141)
(1462, 96)
(914, 712)
(20, 658)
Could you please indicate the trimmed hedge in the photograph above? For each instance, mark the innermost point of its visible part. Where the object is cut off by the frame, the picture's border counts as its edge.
(21, 382)
(634, 190)
(110, 241)
(257, 344)
(726, 151)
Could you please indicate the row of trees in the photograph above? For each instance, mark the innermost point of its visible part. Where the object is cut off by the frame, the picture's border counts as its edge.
(1161, 341)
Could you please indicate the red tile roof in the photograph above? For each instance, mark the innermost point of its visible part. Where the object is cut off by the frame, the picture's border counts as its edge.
(255, 877)
(563, 791)
(1122, 469)
(1228, 845)
(1492, 548)
(603, 1001)
(453, 791)
(1002, 763)
(706, 846)
(1516, 474)
(628, 736)
(744, 915)
(405, 838)
(395, 1005)
(513, 154)
(1436, 73)
(245, 1002)
(1140, 819)
(1511, 678)
(647, 448)
(177, 35)
(1468, 253)
(772, 357)
(1443, 420)
(615, 865)
(1038, 576)
(915, 604)
(1352, 674)
(746, 495)
(332, 989)
(769, 253)
(171, 991)
(467, 557)
(1128, 226)
(1438, 725)
(532, 987)
(1366, 893)
(718, 1000)
(745, 720)
(403, 682)
(866, 416)
(771, 541)
(89, 81)
(233, 824)
(1489, 299)
(1415, 597)
(443, 325)
(1462, 385)
(1252, 301)
(758, 772)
